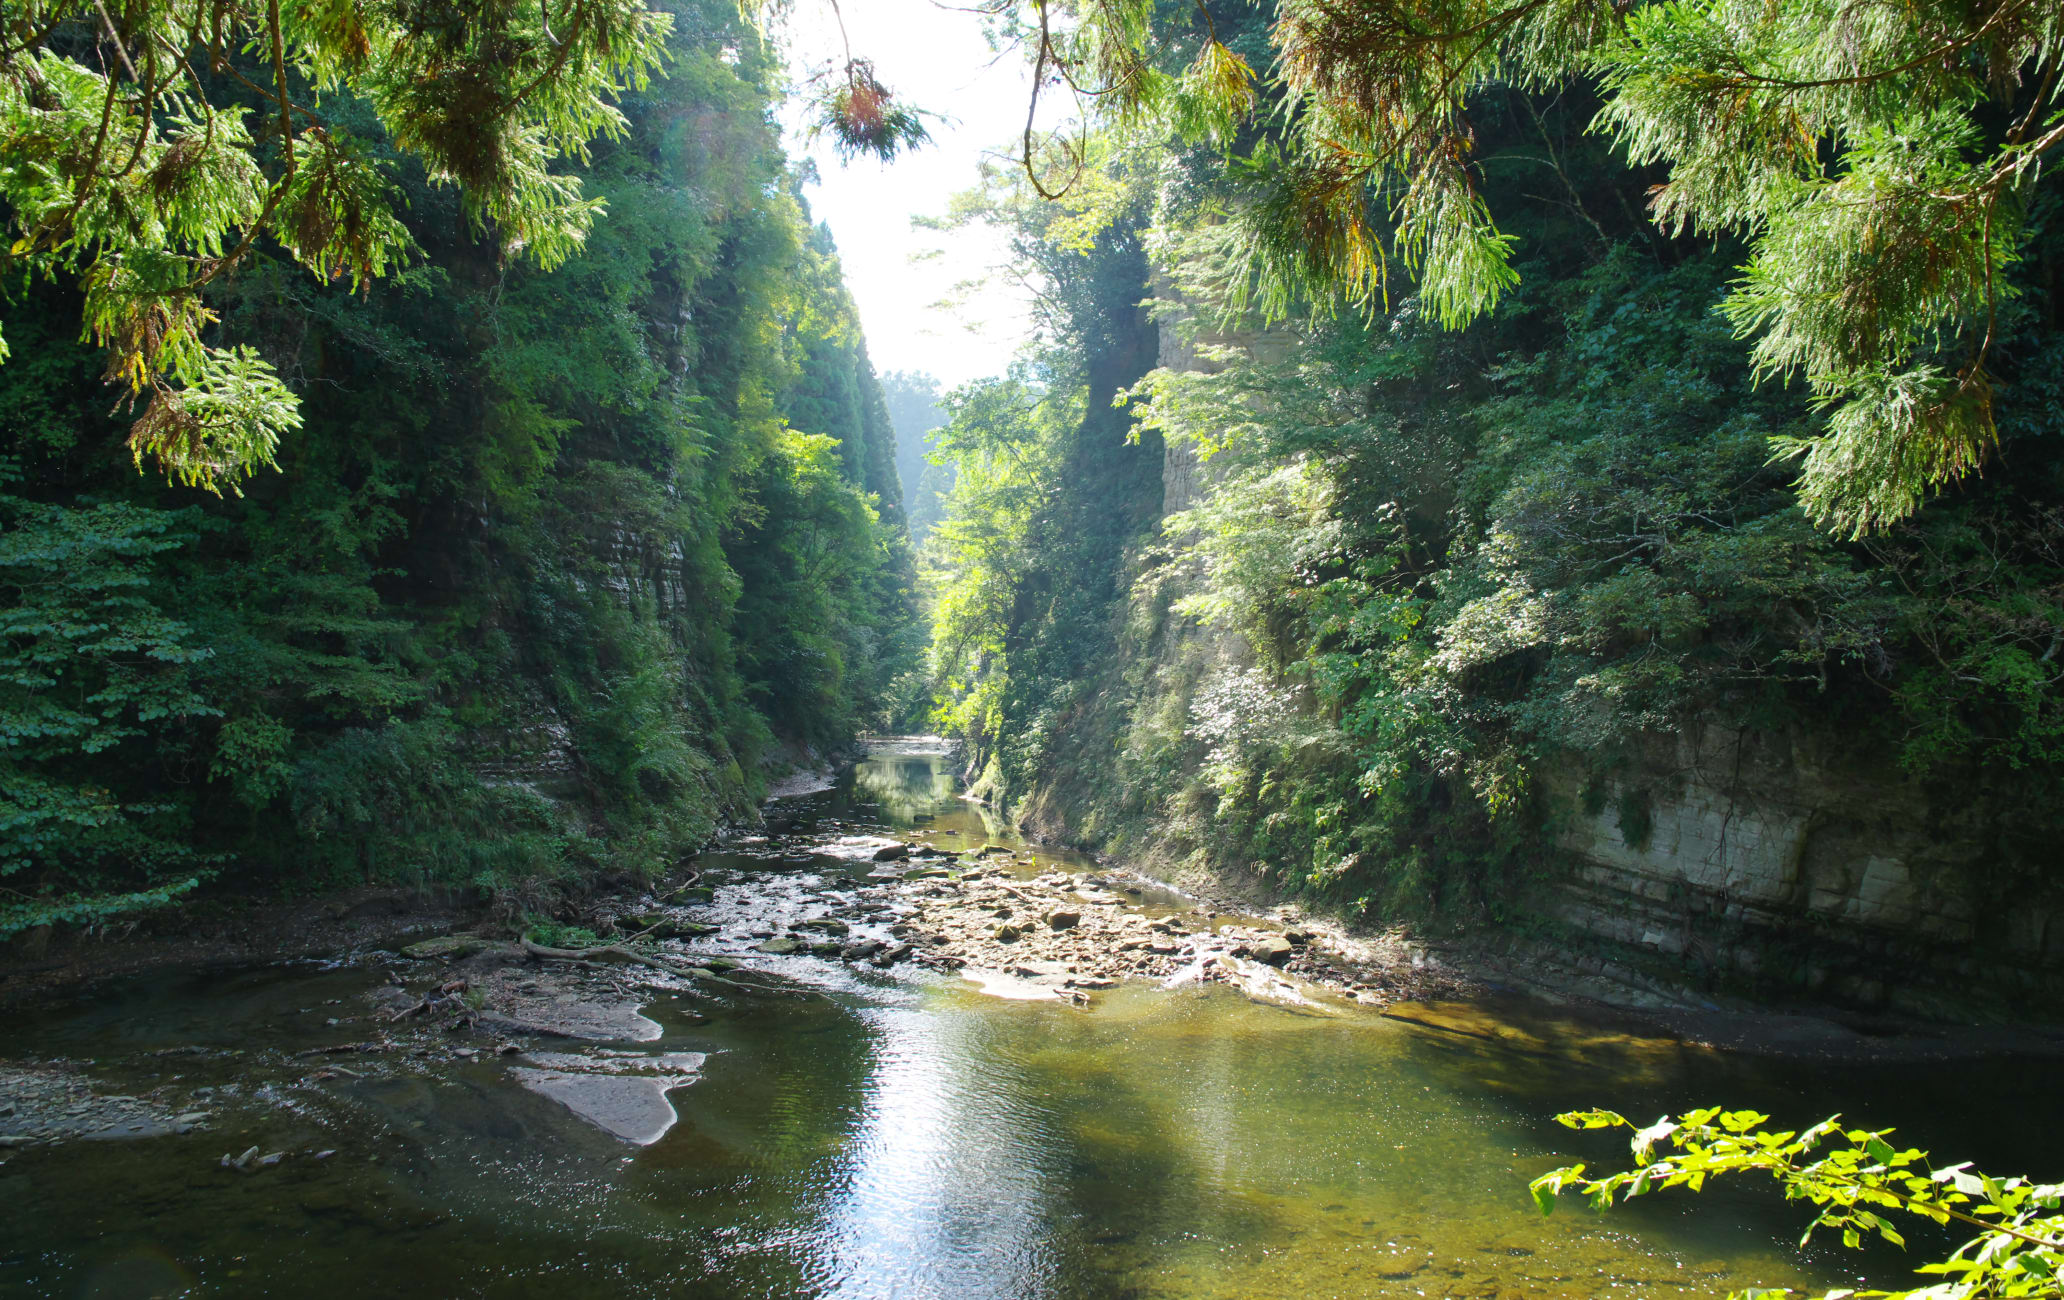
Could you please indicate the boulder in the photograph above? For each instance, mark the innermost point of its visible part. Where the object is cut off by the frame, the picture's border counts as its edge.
(781, 947)
(891, 852)
(1063, 920)
(448, 947)
(1273, 951)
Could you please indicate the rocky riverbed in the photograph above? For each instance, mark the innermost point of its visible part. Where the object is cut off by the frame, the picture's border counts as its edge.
(768, 916)
(820, 904)
(998, 915)
(873, 1046)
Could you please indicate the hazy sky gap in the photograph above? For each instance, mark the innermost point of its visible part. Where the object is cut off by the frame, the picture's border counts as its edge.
(937, 59)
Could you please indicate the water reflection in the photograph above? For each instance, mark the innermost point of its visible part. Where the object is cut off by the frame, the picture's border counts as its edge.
(945, 1196)
(918, 1141)
(909, 788)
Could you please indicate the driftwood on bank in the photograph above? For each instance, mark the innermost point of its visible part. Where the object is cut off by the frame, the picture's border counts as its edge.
(687, 970)
(618, 951)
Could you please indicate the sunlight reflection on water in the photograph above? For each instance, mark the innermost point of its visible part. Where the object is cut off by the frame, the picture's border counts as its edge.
(910, 1139)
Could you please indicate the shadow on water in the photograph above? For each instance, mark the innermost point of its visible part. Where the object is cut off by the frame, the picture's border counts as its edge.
(913, 1139)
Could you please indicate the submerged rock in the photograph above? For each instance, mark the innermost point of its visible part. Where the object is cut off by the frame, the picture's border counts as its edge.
(624, 1095)
(54, 1103)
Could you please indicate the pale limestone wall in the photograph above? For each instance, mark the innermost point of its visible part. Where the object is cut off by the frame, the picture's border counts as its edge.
(1787, 860)
(639, 565)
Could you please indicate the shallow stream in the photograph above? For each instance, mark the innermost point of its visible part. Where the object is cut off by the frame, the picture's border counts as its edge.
(905, 1136)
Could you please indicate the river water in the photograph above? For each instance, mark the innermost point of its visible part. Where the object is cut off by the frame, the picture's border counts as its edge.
(908, 1137)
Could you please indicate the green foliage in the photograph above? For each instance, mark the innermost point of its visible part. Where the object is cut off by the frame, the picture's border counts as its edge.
(864, 118)
(1419, 586)
(551, 934)
(554, 565)
(1853, 1178)
(91, 669)
(130, 158)
(1877, 161)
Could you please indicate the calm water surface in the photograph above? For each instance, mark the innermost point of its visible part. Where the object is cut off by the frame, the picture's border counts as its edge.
(914, 1139)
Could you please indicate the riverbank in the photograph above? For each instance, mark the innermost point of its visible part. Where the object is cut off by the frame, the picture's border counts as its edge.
(1018, 920)
(229, 933)
(1603, 987)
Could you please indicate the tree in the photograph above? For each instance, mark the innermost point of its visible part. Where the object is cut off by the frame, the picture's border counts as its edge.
(552, 561)
(147, 146)
(1878, 159)
(1850, 1176)
(88, 664)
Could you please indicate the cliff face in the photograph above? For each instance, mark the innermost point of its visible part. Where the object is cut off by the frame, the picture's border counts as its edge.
(1783, 862)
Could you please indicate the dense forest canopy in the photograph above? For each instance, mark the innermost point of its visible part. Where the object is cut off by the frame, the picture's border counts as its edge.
(1375, 598)
(1426, 400)
(553, 560)
(1878, 161)
(146, 148)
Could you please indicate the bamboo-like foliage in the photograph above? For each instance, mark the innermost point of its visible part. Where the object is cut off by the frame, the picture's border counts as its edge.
(1876, 155)
(146, 145)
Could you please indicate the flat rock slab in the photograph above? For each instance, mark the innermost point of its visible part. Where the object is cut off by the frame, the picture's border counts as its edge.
(1016, 988)
(53, 1103)
(537, 1002)
(625, 1096)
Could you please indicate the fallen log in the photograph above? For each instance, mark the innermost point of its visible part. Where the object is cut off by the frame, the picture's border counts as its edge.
(617, 951)
(586, 956)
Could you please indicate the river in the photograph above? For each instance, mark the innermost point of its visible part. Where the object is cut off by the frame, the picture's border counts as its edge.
(906, 1136)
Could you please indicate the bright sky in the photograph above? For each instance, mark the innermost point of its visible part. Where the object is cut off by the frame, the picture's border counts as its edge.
(935, 58)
